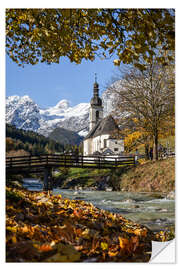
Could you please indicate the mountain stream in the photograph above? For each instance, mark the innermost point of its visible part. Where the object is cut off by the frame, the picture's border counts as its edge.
(153, 210)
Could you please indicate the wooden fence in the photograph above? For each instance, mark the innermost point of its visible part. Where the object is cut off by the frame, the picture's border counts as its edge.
(30, 163)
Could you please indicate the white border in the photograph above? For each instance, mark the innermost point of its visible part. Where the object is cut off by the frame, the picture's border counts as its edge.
(75, 4)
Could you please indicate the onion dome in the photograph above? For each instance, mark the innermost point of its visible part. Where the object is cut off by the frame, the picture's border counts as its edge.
(96, 100)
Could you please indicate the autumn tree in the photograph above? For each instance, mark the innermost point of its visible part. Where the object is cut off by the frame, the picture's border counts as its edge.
(145, 100)
(45, 35)
(9, 144)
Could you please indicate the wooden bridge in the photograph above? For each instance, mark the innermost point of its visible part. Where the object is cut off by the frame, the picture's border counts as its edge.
(46, 163)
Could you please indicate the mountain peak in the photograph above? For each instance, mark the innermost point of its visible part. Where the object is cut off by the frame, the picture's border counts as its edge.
(24, 113)
(26, 97)
(62, 104)
(16, 98)
(13, 98)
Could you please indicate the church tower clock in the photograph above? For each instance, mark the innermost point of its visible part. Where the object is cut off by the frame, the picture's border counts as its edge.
(96, 109)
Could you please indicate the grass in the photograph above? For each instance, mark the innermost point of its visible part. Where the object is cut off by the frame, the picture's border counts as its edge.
(83, 177)
(83, 172)
(152, 176)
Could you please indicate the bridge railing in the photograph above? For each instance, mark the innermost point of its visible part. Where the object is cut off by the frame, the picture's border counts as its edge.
(61, 160)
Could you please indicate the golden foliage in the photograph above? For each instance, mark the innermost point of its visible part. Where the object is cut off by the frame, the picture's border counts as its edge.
(45, 35)
(132, 140)
(52, 229)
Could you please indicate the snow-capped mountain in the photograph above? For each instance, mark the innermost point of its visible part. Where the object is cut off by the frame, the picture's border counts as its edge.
(62, 115)
(24, 113)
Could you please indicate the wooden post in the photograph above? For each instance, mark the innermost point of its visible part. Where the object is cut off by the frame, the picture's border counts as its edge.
(59, 160)
(64, 160)
(50, 183)
(135, 162)
(29, 161)
(116, 162)
(11, 162)
(82, 161)
(46, 179)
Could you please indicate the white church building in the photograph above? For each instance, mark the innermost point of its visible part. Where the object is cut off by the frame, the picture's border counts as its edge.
(103, 137)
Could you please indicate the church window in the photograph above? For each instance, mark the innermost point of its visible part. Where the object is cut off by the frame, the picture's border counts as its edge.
(116, 149)
(97, 115)
(105, 143)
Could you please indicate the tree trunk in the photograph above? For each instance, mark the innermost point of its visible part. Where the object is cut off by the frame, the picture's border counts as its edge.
(155, 146)
(147, 151)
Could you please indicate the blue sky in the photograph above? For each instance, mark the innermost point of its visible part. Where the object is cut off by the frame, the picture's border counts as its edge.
(47, 84)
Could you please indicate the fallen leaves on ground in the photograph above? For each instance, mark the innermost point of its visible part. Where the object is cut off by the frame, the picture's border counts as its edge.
(43, 228)
(166, 235)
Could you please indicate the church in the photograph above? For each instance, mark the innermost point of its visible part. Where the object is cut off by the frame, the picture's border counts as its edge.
(102, 138)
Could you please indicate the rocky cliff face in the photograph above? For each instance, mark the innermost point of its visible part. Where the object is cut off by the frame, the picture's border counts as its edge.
(23, 113)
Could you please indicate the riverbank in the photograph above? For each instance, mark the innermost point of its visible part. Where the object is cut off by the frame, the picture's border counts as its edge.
(147, 176)
(152, 176)
(43, 228)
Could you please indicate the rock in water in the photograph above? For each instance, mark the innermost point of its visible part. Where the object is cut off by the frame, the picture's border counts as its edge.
(171, 195)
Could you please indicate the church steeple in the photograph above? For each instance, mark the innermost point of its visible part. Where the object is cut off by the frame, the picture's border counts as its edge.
(96, 109)
(96, 100)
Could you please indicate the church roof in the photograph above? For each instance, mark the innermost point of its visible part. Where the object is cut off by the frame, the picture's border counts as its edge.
(105, 126)
(96, 101)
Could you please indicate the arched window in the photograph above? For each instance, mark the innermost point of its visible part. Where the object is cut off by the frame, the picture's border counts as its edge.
(97, 116)
(105, 143)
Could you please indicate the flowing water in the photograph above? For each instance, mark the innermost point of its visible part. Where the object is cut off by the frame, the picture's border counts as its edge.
(150, 209)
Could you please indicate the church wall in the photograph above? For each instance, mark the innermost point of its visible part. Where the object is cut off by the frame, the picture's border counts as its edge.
(87, 147)
(102, 142)
(98, 143)
(92, 115)
(117, 146)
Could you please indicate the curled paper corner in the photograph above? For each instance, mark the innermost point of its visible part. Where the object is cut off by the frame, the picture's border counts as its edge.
(163, 252)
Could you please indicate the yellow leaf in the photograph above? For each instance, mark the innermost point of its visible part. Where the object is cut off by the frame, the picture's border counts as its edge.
(86, 234)
(25, 229)
(104, 245)
(140, 232)
(46, 32)
(12, 229)
(150, 34)
(60, 212)
(112, 254)
(137, 46)
(45, 247)
(123, 242)
(116, 62)
(14, 240)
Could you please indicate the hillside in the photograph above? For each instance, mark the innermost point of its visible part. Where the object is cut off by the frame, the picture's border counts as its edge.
(65, 137)
(29, 141)
(158, 176)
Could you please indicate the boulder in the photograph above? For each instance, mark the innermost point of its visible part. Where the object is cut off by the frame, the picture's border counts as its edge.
(171, 195)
